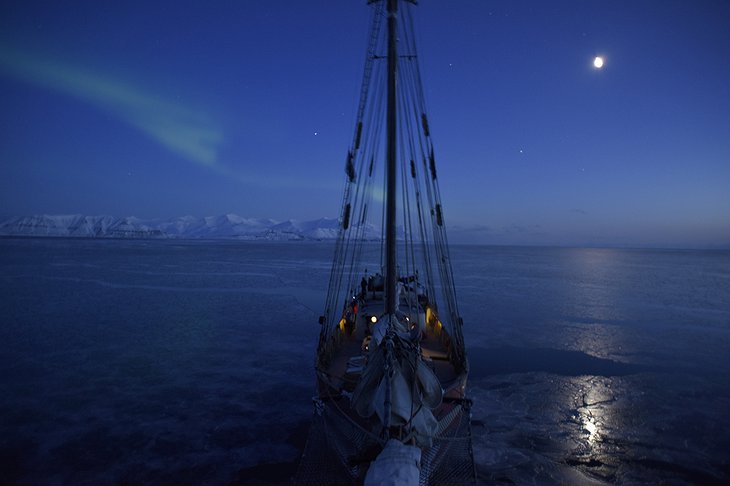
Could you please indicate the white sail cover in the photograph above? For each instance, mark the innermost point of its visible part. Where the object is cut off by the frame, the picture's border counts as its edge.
(396, 465)
(410, 405)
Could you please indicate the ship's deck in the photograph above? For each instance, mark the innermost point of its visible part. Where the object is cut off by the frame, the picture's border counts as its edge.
(351, 353)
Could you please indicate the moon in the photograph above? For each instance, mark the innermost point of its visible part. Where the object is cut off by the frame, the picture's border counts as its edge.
(598, 62)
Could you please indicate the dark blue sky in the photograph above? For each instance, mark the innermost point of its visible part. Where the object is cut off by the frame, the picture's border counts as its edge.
(161, 109)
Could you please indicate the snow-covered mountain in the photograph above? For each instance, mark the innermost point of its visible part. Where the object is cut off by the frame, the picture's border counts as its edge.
(76, 225)
(224, 226)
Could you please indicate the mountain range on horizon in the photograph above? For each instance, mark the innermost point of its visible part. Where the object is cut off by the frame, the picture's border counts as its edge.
(233, 226)
(222, 226)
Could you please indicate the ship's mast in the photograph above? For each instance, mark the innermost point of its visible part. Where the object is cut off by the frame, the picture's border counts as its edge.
(391, 299)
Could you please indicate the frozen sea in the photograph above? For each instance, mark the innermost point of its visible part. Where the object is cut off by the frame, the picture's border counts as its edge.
(191, 362)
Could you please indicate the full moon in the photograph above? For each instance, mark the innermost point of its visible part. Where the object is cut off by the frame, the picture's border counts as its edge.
(598, 62)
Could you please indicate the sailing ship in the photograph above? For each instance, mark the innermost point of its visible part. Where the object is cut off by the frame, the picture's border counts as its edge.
(391, 364)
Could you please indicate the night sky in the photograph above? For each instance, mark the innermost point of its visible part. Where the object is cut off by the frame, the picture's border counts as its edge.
(163, 109)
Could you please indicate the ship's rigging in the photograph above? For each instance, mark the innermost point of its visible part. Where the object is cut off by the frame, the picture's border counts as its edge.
(390, 360)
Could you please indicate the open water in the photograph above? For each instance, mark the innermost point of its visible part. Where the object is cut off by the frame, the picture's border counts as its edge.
(191, 362)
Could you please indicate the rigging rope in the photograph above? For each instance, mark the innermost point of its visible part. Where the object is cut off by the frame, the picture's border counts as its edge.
(424, 243)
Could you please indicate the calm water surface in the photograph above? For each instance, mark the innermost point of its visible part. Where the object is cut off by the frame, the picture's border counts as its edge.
(192, 362)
